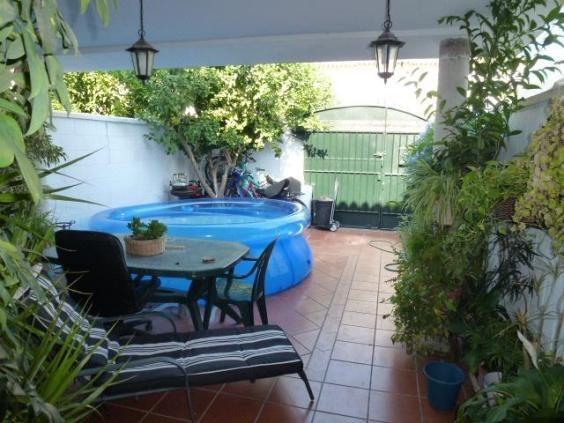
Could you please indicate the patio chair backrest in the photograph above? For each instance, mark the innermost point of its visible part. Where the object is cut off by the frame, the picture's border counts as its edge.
(261, 268)
(96, 271)
(54, 309)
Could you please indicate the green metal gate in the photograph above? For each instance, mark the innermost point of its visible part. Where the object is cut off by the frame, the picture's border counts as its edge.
(365, 150)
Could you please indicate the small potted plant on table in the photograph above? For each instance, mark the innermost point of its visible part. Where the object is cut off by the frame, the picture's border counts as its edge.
(145, 239)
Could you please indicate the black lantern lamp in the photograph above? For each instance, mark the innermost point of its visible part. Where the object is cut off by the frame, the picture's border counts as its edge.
(386, 48)
(142, 53)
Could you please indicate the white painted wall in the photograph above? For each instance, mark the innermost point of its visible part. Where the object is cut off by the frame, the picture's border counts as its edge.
(289, 163)
(128, 169)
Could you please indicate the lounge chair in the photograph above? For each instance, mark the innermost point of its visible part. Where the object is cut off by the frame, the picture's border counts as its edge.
(155, 363)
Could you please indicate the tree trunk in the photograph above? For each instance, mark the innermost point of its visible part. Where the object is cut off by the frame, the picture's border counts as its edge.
(198, 168)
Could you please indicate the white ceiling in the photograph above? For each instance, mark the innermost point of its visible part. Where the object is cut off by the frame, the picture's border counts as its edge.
(217, 32)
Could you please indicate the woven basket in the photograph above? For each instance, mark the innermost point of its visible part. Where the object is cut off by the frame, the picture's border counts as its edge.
(149, 247)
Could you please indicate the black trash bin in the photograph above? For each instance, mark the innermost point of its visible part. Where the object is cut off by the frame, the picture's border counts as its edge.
(323, 211)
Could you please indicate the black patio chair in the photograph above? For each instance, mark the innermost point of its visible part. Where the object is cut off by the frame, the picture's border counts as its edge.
(234, 290)
(156, 363)
(98, 277)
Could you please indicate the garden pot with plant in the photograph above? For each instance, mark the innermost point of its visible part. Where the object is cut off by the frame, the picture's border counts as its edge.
(146, 239)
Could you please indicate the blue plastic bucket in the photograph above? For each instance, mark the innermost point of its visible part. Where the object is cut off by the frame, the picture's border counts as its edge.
(443, 384)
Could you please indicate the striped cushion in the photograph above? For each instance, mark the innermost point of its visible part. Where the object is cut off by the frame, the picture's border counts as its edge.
(214, 356)
(53, 305)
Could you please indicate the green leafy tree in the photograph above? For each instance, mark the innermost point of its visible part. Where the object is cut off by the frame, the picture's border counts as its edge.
(216, 116)
(102, 93)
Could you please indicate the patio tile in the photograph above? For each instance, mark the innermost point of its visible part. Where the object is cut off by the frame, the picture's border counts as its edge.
(317, 365)
(143, 402)
(157, 418)
(361, 306)
(350, 374)
(308, 339)
(356, 334)
(384, 308)
(384, 338)
(317, 317)
(365, 286)
(275, 413)
(394, 380)
(430, 415)
(225, 407)
(116, 414)
(258, 390)
(365, 277)
(359, 319)
(300, 348)
(393, 357)
(332, 323)
(386, 323)
(292, 391)
(387, 407)
(360, 295)
(175, 404)
(348, 351)
(326, 340)
(321, 417)
(343, 400)
(308, 305)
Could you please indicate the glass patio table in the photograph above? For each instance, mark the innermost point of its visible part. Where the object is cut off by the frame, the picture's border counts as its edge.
(200, 260)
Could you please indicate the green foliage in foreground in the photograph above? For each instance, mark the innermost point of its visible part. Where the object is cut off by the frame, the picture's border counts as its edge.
(447, 291)
(37, 368)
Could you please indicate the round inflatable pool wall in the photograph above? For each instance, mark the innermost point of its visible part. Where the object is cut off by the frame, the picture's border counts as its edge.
(252, 222)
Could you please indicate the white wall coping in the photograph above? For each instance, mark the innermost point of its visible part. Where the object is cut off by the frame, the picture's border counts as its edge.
(100, 118)
(556, 91)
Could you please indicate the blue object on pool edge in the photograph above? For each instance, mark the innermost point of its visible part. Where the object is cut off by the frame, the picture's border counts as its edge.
(443, 384)
(254, 222)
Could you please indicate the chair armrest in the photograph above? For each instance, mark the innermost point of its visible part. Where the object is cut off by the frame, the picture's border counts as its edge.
(249, 273)
(136, 316)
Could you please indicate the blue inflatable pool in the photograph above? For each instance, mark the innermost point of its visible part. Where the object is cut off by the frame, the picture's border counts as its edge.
(252, 222)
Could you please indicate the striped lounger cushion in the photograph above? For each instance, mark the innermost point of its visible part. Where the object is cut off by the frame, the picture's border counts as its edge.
(213, 356)
(209, 357)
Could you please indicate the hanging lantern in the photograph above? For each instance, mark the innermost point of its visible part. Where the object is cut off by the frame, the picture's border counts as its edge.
(142, 53)
(386, 48)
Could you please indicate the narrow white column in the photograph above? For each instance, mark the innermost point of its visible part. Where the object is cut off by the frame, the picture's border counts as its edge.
(454, 67)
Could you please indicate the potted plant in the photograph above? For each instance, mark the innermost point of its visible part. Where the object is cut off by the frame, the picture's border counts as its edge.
(145, 239)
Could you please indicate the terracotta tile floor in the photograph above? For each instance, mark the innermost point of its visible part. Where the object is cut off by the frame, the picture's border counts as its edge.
(335, 320)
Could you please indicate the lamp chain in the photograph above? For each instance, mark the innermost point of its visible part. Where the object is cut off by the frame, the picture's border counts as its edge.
(142, 29)
(388, 22)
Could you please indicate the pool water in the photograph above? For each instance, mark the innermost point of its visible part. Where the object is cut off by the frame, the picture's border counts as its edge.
(254, 222)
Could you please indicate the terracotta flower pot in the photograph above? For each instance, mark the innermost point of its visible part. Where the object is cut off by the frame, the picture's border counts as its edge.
(148, 247)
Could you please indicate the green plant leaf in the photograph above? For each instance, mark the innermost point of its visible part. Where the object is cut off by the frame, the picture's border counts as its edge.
(10, 135)
(8, 12)
(10, 106)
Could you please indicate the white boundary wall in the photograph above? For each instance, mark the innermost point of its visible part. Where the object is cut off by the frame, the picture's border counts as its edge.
(128, 169)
